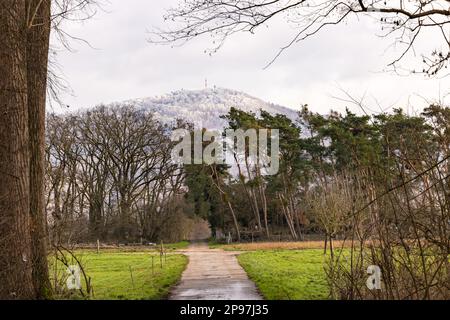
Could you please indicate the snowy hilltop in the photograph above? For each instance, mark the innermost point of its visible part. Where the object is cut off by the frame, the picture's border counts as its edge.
(203, 108)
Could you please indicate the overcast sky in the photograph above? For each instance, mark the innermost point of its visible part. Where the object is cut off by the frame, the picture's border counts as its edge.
(124, 65)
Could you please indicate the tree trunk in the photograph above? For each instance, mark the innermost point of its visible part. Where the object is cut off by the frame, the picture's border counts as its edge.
(38, 38)
(96, 217)
(125, 217)
(235, 222)
(248, 192)
(286, 212)
(15, 243)
(263, 201)
(225, 198)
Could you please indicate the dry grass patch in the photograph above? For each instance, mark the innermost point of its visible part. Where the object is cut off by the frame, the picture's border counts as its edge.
(279, 245)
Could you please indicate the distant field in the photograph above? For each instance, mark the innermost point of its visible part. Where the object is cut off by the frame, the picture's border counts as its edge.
(287, 274)
(131, 248)
(275, 245)
(129, 275)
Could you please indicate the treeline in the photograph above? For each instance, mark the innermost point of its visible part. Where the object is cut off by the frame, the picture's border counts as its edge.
(316, 151)
(110, 177)
(110, 174)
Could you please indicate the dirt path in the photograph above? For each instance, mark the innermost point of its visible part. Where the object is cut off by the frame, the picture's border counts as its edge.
(213, 274)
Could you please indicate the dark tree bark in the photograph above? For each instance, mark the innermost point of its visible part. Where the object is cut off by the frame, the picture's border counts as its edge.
(38, 38)
(15, 244)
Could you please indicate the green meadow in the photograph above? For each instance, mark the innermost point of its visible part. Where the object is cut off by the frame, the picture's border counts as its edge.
(287, 274)
(126, 275)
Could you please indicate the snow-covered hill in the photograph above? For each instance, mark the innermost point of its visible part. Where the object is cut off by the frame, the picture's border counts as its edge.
(204, 107)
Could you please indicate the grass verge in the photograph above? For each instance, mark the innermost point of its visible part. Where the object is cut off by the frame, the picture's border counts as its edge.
(298, 245)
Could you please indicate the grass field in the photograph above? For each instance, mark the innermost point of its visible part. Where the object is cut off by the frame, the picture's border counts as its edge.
(287, 274)
(279, 269)
(129, 275)
(167, 247)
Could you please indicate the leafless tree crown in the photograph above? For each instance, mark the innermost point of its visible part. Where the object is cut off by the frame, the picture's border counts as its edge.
(403, 20)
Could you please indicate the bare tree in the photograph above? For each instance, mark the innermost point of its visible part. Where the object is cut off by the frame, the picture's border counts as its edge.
(110, 177)
(330, 202)
(402, 20)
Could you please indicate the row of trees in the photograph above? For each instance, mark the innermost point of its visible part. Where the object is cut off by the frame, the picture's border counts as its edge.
(259, 205)
(110, 177)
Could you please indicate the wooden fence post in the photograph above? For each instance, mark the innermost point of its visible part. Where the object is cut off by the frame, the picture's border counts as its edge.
(153, 266)
(161, 252)
(132, 280)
